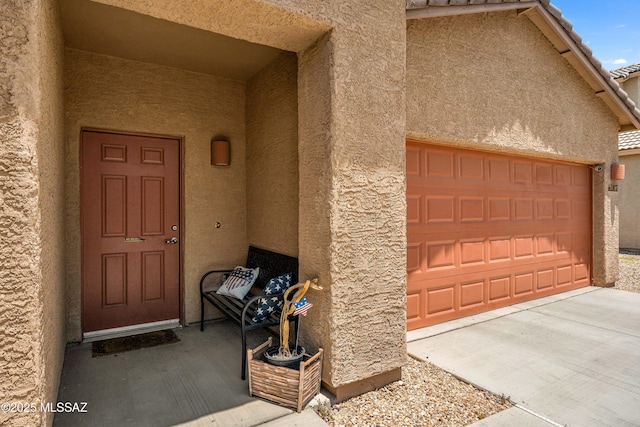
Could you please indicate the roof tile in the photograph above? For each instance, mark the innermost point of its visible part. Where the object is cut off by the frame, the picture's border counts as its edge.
(624, 72)
(629, 140)
(630, 103)
(557, 13)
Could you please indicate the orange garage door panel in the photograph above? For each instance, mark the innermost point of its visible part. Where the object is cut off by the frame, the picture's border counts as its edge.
(487, 230)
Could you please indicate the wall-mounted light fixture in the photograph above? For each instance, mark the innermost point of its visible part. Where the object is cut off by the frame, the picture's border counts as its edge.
(220, 152)
(617, 172)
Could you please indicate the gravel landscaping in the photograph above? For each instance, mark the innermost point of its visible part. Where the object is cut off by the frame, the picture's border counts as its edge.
(430, 396)
(426, 396)
(629, 271)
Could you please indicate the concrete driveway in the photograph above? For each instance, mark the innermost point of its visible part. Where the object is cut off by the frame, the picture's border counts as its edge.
(571, 359)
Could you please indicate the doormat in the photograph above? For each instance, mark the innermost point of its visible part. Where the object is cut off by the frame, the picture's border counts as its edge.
(133, 342)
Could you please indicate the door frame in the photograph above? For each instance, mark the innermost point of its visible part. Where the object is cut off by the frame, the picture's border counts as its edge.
(181, 210)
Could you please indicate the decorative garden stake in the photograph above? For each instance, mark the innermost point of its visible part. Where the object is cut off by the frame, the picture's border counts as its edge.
(284, 354)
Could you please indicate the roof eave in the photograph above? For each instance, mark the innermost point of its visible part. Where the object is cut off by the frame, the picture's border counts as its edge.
(626, 77)
(420, 9)
(628, 152)
(569, 49)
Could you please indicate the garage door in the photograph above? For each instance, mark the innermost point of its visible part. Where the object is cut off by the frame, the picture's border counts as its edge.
(486, 230)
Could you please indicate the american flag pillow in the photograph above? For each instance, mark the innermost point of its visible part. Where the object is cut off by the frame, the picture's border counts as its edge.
(272, 301)
(239, 282)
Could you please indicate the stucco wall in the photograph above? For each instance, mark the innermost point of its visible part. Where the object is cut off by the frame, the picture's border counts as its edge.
(629, 196)
(32, 315)
(51, 200)
(315, 189)
(493, 81)
(111, 93)
(351, 164)
(632, 87)
(272, 156)
(286, 24)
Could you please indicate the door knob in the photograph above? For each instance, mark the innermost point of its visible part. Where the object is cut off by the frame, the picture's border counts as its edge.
(172, 240)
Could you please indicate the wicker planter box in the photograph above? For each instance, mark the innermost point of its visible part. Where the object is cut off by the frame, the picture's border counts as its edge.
(285, 386)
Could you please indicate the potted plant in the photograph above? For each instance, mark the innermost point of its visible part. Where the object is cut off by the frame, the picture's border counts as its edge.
(286, 354)
(287, 375)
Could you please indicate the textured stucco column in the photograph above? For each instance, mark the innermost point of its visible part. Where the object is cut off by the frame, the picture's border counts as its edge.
(606, 224)
(352, 196)
(32, 317)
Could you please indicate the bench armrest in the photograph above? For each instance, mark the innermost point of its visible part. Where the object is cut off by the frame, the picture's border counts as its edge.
(208, 273)
(247, 304)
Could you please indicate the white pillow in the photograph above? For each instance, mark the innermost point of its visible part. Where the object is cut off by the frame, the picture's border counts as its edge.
(239, 282)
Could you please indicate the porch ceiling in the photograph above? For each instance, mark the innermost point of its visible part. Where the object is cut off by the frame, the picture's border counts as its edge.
(117, 32)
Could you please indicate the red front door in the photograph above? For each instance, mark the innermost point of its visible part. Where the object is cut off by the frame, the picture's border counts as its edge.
(130, 206)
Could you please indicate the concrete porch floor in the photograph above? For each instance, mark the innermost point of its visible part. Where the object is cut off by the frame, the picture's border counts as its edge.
(194, 382)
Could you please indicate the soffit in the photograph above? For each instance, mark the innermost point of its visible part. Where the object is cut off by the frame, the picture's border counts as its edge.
(118, 32)
(560, 33)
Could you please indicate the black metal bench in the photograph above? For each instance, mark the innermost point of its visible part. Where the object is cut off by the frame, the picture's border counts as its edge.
(272, 264)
